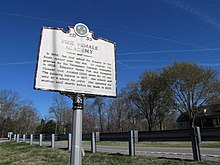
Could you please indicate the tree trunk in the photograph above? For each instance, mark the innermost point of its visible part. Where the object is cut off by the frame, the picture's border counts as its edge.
(149, 126)
(161, 125)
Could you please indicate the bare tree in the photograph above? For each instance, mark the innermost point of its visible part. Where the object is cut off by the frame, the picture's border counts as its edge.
(27, 117)
(16, 115)
(99, 104)
(90, 118)
(192, 86)
(9, 103)
(121, 114)
(60, 111)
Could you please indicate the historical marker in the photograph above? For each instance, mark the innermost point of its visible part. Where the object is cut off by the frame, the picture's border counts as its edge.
(75, 62)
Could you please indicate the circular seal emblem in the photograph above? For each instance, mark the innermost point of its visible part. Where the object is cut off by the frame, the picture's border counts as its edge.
(81, 30)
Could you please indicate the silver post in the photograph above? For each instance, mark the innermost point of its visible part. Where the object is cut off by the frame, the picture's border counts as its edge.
(131, 143)
(17, 138)
(40, 140)
(97, 136)
(93, 143)
(69, 142)
(14, 137)
(76, 145)
(195, 143)
(10, 136)
(31, 139)
(53, 141)
(24, 137)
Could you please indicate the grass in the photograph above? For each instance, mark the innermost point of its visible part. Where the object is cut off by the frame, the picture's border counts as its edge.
(21, 154)
(17, 154)
(158, 144)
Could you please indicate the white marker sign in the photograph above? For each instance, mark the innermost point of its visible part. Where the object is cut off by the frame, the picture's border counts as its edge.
(75, 62)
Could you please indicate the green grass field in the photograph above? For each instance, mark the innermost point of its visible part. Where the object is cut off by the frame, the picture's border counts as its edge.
(12, 153)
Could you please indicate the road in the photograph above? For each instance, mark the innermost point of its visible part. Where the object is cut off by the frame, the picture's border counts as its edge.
(211, 154)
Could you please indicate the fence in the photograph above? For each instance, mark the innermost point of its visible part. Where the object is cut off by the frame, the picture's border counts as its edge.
(205, 134)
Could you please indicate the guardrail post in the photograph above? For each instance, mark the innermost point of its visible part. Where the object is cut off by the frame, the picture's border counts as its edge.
(40, 140)
(131, 143)
(199, 135)
(97, 135)
(24, 137)
(14, 137)
(10, 136)
(196, 138)
(136, 136)
(17, 138)
(93, 142)
(31, 139)
(69, 141)
(53, 141)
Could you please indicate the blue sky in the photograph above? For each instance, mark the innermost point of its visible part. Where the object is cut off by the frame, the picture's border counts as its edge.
(149, 34)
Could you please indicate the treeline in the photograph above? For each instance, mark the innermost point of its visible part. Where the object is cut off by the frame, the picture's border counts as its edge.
(156, 100)
(16, 114)
(152, 103)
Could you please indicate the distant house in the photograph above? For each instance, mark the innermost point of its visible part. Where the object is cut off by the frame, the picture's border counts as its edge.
(208, 117)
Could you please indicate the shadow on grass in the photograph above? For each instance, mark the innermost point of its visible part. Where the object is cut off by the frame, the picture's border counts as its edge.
(66, 149)
(118, 154)
(178, 159)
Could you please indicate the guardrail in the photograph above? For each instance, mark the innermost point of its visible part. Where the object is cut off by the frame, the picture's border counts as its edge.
(205, 134)
(210, 134)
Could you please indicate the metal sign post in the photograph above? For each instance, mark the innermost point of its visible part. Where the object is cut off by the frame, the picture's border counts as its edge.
(76, 144)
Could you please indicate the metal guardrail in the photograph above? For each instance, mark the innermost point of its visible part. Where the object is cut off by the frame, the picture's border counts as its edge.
(3, 138)
(117, 136)
(86, 137)
(169, 135)
(207, 134)
(210, 134)
(196, 136)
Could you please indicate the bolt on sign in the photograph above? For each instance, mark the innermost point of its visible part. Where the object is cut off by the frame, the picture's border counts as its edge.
(75, 62)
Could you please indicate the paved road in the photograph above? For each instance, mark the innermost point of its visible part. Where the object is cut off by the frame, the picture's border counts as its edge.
(212, 154)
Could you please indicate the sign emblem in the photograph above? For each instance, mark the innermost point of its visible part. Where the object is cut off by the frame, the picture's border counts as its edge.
(81, 30)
